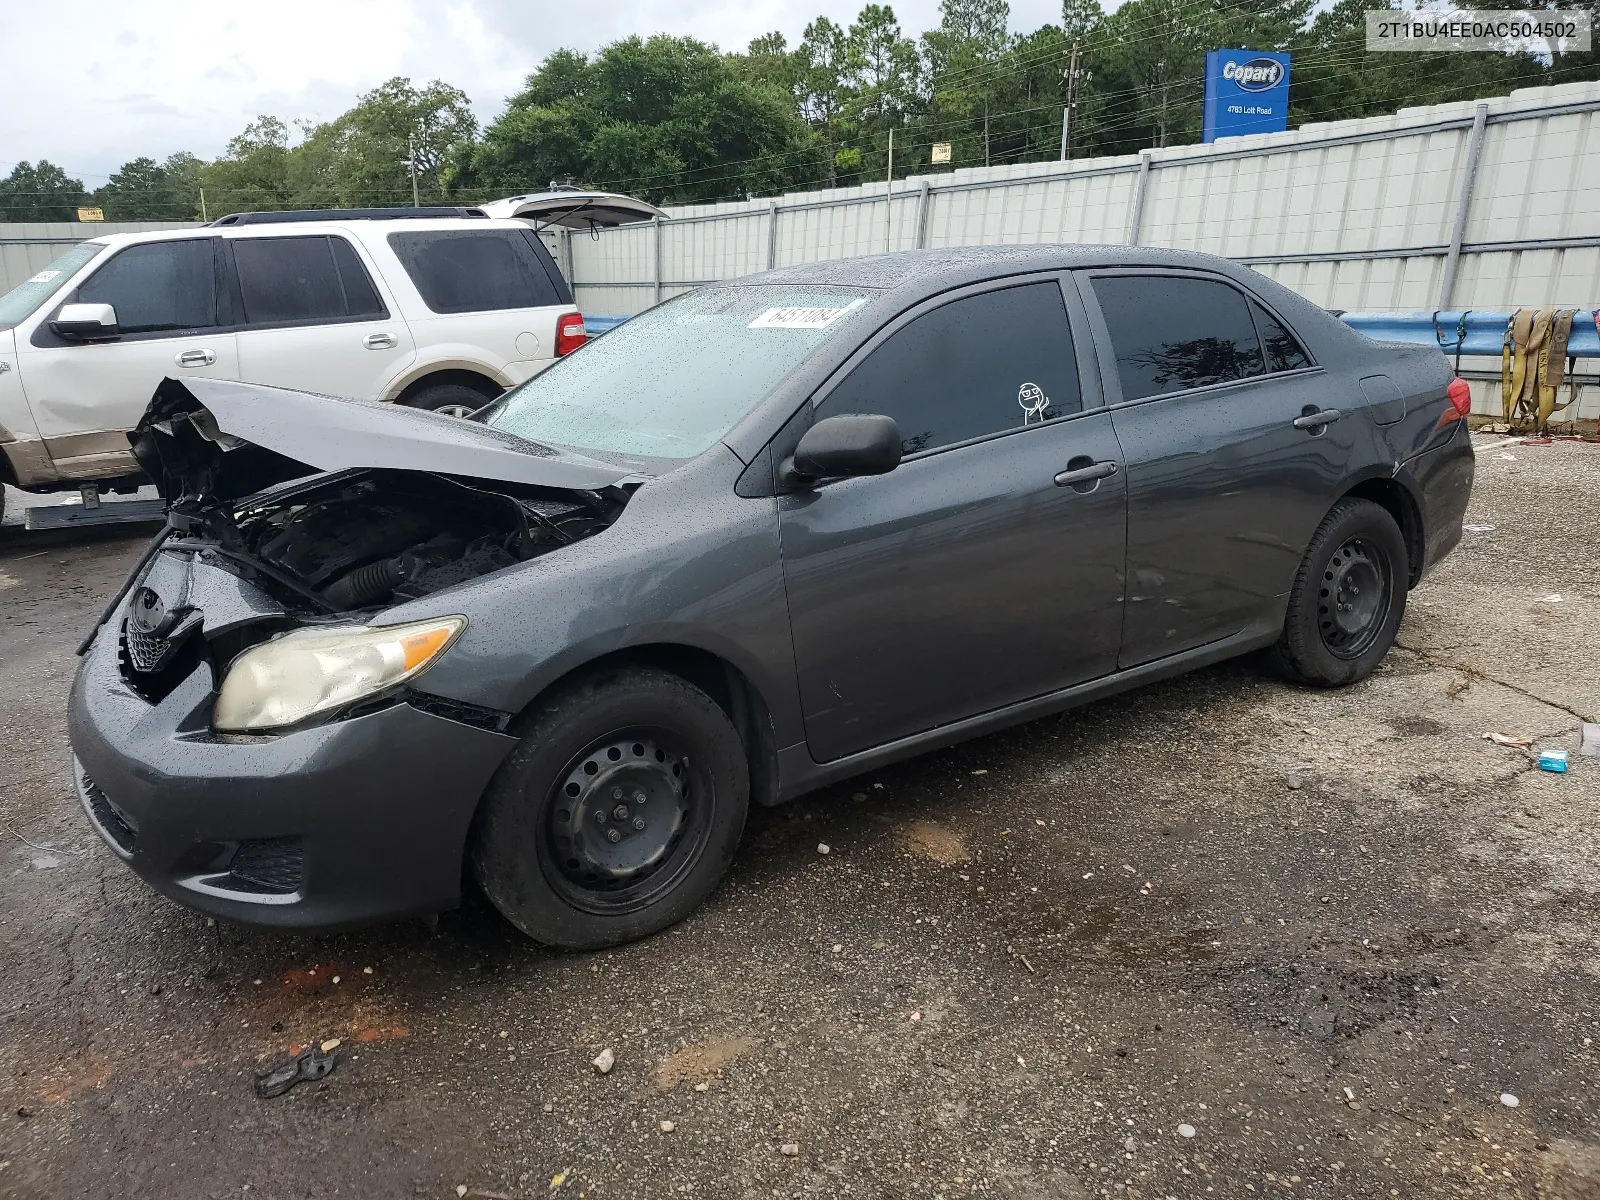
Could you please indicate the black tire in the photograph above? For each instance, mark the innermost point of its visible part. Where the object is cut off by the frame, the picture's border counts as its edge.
(1332, 634)
(542, 846)
(454, 399)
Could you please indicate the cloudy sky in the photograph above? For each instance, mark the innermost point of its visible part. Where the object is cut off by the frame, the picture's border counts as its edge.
(93, 83)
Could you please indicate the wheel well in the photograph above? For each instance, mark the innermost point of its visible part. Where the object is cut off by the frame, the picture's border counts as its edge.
(482, 384)
(727, 686)
(1389, 495)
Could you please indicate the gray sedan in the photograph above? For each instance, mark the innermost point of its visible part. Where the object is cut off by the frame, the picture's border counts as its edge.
(765, 536)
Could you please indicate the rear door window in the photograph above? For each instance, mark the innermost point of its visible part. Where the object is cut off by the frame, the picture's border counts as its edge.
(296, 280)
(158, 286)
(1284, 353)
(475, 270)
(1171, 332)
(979, 365)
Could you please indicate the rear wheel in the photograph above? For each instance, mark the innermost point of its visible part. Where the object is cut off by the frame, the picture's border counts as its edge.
(451, 399)
(616, 815)
(1348, 598)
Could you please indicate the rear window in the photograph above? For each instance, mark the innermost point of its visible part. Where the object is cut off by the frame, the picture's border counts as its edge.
(475, 270)
(286, 280)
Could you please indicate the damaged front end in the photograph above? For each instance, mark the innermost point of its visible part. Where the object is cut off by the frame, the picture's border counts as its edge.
(290, 513)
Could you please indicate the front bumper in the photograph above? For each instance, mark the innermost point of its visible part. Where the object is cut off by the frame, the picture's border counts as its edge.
(350, 822)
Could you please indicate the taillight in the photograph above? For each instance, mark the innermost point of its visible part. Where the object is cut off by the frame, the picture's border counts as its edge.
(570, 333)
(1460, 395)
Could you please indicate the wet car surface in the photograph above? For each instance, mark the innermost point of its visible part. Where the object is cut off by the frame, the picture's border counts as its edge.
(924, 497)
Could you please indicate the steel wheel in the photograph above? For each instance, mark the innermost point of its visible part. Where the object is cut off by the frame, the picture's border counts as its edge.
(623, 822)
(1353, 601)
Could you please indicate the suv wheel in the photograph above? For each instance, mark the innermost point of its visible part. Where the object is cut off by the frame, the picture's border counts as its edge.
(451, 399)
(616, 815)
(1348, 598)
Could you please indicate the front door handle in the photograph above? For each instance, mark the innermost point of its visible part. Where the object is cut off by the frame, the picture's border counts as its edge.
(379, 341)
(1099, 470)
(195, 358)
(1316, 419)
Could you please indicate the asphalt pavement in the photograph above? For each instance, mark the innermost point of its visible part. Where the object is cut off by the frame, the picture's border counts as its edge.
(1221, 937)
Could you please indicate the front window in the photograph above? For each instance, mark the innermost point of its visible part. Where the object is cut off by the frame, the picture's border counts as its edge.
(23, 300)
(672, 381)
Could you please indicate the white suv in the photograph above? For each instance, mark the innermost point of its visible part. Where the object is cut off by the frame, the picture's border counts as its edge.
(438, 309)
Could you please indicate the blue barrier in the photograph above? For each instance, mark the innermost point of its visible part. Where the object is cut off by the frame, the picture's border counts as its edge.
(597, 324)
(1475, 331)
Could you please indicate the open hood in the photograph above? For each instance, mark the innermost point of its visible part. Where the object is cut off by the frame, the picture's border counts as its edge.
(575, 209)
(220, 440)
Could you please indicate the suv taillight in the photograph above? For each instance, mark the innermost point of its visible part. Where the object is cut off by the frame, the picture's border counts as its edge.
(1460, 395)
(570, 333)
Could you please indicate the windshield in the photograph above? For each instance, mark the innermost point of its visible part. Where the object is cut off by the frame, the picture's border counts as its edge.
(19, 303)
(672, 381)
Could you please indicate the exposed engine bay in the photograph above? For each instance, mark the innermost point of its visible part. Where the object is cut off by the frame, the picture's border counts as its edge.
(363, 539)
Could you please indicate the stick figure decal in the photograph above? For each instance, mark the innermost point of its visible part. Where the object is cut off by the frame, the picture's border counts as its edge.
(1033, 401)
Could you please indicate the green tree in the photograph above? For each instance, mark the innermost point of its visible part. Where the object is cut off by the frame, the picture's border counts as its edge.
(362, 158)
(145, 190)
(826, 95)
(669, 118)
(40, 192)
(253, 175)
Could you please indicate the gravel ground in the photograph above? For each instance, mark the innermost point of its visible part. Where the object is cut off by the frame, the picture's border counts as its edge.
(1219, 937)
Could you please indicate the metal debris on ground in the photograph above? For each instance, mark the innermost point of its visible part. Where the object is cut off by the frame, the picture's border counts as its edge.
(1553, 760)
(278, 1076)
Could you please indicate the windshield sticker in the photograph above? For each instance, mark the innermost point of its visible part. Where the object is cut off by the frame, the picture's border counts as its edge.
(801, 318)
(44, 276)
(1033, 401)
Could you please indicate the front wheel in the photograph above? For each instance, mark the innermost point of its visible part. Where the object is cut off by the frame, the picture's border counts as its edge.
(1348, 598)
(616, 815)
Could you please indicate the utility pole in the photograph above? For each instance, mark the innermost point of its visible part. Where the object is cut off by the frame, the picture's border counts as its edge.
(411, 150)
(204, 220)
(1072, 103)
(986, 131)
(888, 198)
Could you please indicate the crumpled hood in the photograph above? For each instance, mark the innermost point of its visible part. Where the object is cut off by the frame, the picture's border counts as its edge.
(220, 439)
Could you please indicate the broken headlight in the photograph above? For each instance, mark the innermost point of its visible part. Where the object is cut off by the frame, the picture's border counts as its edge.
(313, 670)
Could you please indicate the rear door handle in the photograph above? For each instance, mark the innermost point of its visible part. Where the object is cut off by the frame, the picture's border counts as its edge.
(1315, 420)
(1099, 470)
(379, 341)
(195, 358)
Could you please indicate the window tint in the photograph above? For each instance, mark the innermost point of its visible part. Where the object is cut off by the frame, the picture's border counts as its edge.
(287, 279)
(1170, 333)
(1283, 352)
(475, 270)
(156, 286)
(995, 361)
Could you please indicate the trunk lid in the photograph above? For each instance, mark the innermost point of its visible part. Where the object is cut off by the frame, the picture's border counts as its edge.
(573, 209)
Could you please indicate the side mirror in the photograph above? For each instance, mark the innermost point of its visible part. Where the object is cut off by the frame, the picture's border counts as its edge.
(85, 322)
(844, 446)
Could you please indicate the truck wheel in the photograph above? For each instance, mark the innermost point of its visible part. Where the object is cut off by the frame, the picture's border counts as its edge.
(451, 399)
(616, 814)
(1348, 598)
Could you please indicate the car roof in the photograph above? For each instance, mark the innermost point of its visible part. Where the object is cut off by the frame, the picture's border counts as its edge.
(953, 266)
(303, 228)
